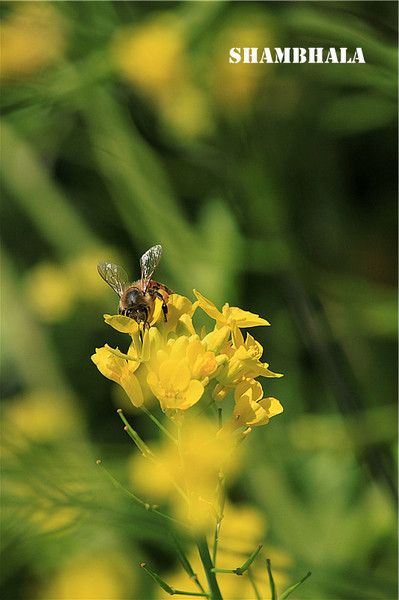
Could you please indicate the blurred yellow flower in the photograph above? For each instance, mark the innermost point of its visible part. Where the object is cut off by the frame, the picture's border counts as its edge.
(104, 575)
(50, 292)
(41, 415)
(151, 55)
(186, 112)
(194, 467)
(85, 280)
(32, 37)
(236, 86)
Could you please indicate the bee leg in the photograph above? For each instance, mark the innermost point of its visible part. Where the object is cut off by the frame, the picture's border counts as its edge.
(165, 311)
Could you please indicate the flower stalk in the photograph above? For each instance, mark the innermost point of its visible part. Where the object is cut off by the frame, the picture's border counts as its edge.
(206, 560)
(165, 586)
(253, 584)
(146, 505)
(292, 588)
(158, 424)
(221, 493)
(241, 570)
(186, 563)
(141, 445)
(271, 580)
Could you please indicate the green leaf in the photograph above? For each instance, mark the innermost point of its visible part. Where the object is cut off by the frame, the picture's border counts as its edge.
(291, 589)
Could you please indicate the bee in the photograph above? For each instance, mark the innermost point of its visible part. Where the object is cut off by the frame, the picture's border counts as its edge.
(137, 299)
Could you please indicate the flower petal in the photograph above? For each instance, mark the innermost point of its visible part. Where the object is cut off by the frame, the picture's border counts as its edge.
(157, 311)
(122, 323)
(192, 394)
(131, 385)
(242, 318)
(215, 340)
(108, 364)
(272, 406)
(208, 306)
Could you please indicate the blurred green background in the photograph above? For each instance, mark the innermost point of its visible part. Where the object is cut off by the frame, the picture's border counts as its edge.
(271, 187)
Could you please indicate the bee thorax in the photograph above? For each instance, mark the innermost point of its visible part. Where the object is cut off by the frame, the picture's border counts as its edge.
(133, 296)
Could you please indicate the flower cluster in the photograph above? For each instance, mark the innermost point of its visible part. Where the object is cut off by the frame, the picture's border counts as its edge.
(183, 365)
(192, 369)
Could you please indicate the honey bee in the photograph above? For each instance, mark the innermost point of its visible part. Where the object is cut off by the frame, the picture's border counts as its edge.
(137, 299)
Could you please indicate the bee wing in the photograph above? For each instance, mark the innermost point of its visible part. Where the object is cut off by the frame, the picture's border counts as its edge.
(114, 275)
(149, 262)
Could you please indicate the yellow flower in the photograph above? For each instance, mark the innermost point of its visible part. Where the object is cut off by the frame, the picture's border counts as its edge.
(50, 292)
(173, 386)
(200, 445)
(251, 408)
(180, 311)
(180, 364)
(119, 370)
(93, 574)
(84, 278)
(179, 372)
(235, 87)
(232, 316)
(35, 413)
(217, 339)
(32, 37)
(152, 55)
(243, 364)
(186, 112)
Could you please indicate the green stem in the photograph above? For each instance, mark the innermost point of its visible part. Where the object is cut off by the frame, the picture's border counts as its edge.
(168, 588)
(145, 450)
(186, 563)
(220, 418)
(254, 586)
(181, 593)
(146, 505)
(241, 570)
(203, 550)
(271, 580)
(158, 424)
(215, 570)
(219, 518)
(249, 562)
(289, 590)
(215, 541)
(141, 445)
